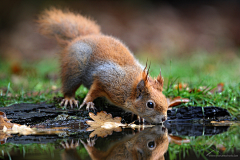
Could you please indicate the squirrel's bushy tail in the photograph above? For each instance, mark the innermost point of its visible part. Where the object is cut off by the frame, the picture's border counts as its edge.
(65, 25)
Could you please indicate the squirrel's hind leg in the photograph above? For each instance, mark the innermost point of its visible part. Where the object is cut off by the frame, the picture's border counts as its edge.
(70, 83)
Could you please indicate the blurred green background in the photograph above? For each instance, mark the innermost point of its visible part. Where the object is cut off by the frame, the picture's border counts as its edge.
(193, 42)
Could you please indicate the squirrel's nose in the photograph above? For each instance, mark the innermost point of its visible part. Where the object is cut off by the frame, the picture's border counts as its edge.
(164, 118)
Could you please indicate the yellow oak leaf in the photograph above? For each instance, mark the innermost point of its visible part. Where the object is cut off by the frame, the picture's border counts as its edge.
(103, 124)
(12, 128)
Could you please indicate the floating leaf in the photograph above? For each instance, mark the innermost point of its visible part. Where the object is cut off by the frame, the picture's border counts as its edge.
(103, 124)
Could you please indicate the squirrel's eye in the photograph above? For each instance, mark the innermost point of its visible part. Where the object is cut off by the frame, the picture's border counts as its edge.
(150, 104)
(151, 144)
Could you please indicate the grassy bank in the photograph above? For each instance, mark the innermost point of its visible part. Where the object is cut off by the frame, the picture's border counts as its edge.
(39, 81)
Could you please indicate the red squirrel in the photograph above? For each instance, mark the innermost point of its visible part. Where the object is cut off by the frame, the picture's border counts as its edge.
(104, 65)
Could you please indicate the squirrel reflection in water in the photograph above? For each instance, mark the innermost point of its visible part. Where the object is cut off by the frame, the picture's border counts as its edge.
(150, 144)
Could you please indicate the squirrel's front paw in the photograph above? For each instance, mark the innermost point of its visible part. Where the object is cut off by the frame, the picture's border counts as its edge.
(90, 105)
(70, 101)
(90, 142)
(72, 145)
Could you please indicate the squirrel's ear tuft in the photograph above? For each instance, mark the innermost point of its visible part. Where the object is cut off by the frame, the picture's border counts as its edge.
(144, 76)
(159, 81)
(145, 73)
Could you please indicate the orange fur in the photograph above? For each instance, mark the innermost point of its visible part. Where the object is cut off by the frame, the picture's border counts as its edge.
(73, 25)
(109, 48)
(104, 65)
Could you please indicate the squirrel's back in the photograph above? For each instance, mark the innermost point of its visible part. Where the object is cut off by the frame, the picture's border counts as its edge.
(104, 48)
(65, 25)
(104, 57)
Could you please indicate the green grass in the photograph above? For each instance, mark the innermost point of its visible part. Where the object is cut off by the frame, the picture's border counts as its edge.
(201, 69)
(203, 145)
(33, 84)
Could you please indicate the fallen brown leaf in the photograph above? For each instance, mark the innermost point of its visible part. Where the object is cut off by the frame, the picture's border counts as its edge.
(20, 129)
(218, 89)
(2, 114)
(7, 128)
(4, 122)
(3, 137)
(195, 90)
(103, 124)
(178, 140)
(176, 101)
(180, 86)
(12, 128)
(221, 147)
